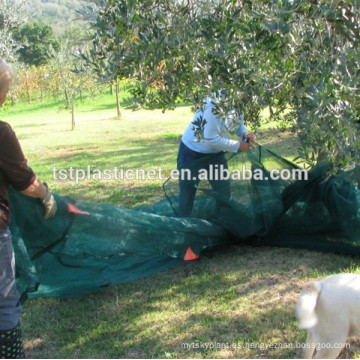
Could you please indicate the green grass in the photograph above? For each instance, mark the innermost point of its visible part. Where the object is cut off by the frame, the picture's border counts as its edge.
(239, 295)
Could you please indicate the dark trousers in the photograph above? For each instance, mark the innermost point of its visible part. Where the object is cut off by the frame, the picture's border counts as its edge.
(10, 308)
(197, 162)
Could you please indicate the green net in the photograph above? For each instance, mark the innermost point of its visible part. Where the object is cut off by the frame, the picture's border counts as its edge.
(90, 246)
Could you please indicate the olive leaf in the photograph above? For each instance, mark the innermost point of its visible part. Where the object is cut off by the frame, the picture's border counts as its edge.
(198, 128)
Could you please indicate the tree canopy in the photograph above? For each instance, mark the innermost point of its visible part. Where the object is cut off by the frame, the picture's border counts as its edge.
(39, 43)
(11, 18)
(299, 57)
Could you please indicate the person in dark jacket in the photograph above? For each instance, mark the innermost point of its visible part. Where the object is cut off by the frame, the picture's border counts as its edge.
(15, 172)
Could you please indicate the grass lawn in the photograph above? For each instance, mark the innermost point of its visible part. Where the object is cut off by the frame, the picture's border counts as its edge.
(237, 302)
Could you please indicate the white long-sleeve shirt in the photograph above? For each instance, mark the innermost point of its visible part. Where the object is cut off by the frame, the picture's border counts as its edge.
(216, 136)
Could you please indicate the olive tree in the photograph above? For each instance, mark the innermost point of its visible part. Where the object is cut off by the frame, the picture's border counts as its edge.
(300, 58)
(11, 19)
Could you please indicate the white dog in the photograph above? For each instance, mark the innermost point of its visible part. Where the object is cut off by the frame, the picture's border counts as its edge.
(330, 311)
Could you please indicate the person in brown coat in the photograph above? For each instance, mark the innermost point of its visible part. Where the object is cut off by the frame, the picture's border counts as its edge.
(15, 172)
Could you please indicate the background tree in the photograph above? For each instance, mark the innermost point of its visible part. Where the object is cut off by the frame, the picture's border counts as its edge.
(60, 14)
(11, 18)
(73, 78)
(39, 43)
(109, 68)
(300, 58)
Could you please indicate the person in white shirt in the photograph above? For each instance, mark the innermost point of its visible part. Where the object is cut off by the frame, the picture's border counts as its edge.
(208, 138)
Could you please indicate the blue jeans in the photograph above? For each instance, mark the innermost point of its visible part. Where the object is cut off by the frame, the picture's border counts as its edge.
(10, 308)
(194, 161)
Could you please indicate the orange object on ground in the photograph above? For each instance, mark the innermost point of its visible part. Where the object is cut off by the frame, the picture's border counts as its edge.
(190, 255)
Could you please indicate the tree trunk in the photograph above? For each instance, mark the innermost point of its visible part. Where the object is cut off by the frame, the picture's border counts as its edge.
(118, 101)
(28, 93)
(67, 96)
(111, 89)
(271, 112)
(322, 155)
(73, 116)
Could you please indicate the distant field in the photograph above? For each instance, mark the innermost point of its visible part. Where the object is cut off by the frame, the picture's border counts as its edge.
(237, 302)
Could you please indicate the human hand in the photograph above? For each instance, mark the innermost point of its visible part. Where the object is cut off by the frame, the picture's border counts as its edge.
(245, 146)
(251, 137)
(49, 204)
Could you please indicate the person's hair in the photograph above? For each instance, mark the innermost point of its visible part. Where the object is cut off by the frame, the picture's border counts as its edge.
(6, 74)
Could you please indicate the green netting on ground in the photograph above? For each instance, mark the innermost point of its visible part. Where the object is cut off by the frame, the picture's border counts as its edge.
(76, 253)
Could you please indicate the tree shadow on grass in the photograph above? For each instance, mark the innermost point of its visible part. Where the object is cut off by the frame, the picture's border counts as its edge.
(238, 295)
(29, 108)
